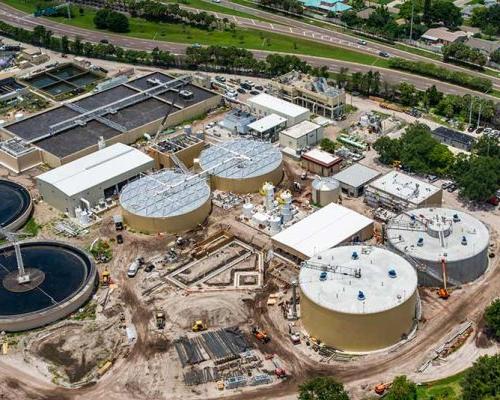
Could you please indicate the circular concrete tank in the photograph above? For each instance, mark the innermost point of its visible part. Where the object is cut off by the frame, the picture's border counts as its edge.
(369, 303)
(242, 166)
(325, 191)
(429, 235)
(166, 201)
(63, 278)
(15, 205)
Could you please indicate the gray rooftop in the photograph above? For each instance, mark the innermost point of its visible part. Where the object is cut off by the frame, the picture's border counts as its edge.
(356, 175)
(441, 234)
(165, 194)
(239, 159)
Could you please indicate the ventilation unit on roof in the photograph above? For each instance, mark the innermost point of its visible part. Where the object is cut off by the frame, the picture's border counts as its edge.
(361, 296)
(186, 94)
(420, 242)
(392, 273)
(464, 241)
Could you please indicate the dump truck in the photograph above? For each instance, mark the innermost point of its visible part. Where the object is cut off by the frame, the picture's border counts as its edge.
(118, 220)
(199, 326)
(106, 277)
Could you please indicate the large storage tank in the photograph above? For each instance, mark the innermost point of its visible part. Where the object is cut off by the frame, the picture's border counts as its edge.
(429, 235)
(325, 191)
(242, 166)
(15, 205)
(167, 201)
(358, 298)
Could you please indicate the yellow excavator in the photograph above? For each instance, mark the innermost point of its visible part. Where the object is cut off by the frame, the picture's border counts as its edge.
(199, 326)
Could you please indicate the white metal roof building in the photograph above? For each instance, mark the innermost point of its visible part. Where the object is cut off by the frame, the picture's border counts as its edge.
(265, 104)
(358, 298)
(353, 179)
(398, 191)
(267, 127)
(328, 227)
(84, 182)
(302, 135)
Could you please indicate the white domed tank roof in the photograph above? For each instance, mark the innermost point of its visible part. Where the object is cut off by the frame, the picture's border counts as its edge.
(385, 281)
(430, 235)
(325, 184)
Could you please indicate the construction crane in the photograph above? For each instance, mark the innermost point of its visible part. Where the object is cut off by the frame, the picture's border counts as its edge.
(22, 276)
(443, 292)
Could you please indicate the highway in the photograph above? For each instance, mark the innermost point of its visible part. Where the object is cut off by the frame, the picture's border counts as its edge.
(18, 18)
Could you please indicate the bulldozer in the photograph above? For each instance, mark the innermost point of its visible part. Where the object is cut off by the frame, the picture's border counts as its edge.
(160, 319)
(261, 335)
(199, 326)
(105, 277)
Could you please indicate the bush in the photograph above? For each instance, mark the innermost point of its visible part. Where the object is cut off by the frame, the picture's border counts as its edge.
(482, 380)
(492, 317)
(434, 71)
(117, 22)
(101, 18)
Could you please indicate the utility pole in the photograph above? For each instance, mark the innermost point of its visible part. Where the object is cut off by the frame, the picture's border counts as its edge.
(479, 114)
(470, 110)
(411, 20)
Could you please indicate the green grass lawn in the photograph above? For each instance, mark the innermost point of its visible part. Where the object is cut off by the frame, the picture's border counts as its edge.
(444, 389)
(245, 38)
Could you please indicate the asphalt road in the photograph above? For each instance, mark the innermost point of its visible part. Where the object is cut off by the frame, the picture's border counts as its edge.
(18, 18)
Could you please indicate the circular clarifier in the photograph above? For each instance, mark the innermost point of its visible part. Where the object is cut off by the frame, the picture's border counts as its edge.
(62, 278)
(15, 205)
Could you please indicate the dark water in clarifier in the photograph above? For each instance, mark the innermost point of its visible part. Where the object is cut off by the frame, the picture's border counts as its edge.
(65, 271)
(14, 200)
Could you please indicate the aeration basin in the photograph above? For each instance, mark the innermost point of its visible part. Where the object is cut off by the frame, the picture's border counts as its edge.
(15, 205)
(62, 279)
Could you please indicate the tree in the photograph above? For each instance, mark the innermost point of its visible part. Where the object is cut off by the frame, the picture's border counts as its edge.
(101, 18)
(117, 22)
(482, 380)
(487, 146)
(322, 388)
(433, 95)
(407, 94)
(65, 44)
(446, 12)
(328, 145)
(402, 389)
(495, 56)
(389, 150)
(427, 11)
(357, 4)
(492, 317)
(342, 77)
(479, 179)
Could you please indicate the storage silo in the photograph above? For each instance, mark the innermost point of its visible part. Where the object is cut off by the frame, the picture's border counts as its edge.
(242, 166)
(431, 235)
(166, 201)
(358, 298)
(325, 191)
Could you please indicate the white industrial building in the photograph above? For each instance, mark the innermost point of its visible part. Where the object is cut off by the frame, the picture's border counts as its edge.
(328, 227)
(353, 179)
(267, 127)
(88, 181)
(398, 191)
(302, 135)
(265, 104)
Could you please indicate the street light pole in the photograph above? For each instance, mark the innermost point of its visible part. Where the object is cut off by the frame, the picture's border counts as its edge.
(411, 20)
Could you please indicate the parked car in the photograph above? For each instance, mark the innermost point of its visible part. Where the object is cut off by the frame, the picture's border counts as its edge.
(452, 188)
(254, 92)
(149, 267)
(220, 79)
(119, 239)
(258, 87)
(134, 267)
(241, 90)
(432, 178)
(104, 41)
(446, 185)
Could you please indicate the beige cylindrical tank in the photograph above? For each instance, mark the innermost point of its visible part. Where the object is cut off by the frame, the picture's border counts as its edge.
(166, 201)
(366, 301)
(325, 191)
(242, 166)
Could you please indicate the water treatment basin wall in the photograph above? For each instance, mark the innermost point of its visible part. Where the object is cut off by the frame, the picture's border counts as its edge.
(63, 279)
(15, 205)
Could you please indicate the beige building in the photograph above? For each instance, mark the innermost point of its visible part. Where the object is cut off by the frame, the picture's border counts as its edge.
(321, 162)
(121, 114)
(184, 148)
(315, 94)
(264, 104)
(301, 136)
(358, 298)
(397, 191)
